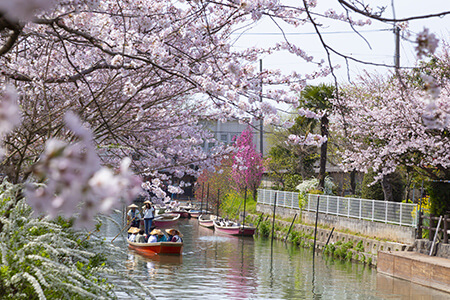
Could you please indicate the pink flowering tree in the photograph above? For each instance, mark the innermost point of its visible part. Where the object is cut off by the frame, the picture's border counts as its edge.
(390, 122)
(247, 168)
(142, 74)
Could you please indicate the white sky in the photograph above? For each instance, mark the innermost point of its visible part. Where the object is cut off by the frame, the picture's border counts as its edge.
(341, 37)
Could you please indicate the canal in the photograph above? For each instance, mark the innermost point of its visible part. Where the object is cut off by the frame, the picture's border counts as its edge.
(216, 266)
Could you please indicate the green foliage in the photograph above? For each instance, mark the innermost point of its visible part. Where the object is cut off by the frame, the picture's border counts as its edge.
(439, 192)
(264, 228)
(398, 186)
(291, 182)
(369, 190)
(375, 191)
(315, 192)
(360, 246)
(43, 259)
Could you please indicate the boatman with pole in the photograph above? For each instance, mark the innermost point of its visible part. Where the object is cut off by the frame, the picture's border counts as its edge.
(133, 215)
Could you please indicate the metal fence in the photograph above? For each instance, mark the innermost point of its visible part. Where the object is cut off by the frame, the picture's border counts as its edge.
(373, 210)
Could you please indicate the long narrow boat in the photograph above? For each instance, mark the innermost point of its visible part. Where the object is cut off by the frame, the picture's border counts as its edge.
(165, 220)
(196, 213)
(207, 220)
(232, 228)
(157, 248)
(182, 212)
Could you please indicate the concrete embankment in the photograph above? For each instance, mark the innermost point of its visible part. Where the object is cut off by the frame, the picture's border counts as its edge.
(365, 252)
(407, 260)
(418, 268)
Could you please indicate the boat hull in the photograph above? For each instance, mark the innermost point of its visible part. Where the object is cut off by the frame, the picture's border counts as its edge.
(206, 221)
(183, 214)
(157, 248)
(237, 230)
(166, 220)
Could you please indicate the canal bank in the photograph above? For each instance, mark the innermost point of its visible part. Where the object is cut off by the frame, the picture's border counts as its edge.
(396, 259)
(359, 247)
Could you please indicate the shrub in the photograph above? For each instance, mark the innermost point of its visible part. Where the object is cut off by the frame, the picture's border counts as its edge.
(44, 259)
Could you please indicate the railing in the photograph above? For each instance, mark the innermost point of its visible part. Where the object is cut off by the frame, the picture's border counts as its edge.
(442, 221)
(373, 210)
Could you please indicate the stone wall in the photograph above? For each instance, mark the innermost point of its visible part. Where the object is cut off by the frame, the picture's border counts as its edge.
(401, 234)
(370, 246)
(424, 246)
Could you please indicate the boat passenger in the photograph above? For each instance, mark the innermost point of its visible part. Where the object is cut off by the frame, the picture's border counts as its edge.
(175, 235)
(161, 236)
(153, 238)
(132, 233)
(132, 237)
(140, 238)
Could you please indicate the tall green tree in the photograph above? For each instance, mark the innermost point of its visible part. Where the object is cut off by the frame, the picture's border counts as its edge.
(289, 164)
(317, 99)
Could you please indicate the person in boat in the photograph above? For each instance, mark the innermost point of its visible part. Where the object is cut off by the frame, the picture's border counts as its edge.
(140, 238)
(132, 233)
(133, 215)
(153, 238)
(149, 214)
(161, 236)
(174, 236)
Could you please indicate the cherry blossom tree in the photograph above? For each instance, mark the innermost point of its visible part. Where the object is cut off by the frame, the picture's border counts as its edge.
(141, 74)
(247, 168)
(392, 122)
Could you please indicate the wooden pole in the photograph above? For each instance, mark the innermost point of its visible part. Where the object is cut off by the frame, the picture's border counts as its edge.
(201, 200)
(260, 219)
(331, 233)
(273, 218)
(207, 199)
(218, 203)
(435, 235)
(128, 225)
(419, 225)
(432, 224)
(289, 231)
(315, 226)
(245, 204)
(445, 241)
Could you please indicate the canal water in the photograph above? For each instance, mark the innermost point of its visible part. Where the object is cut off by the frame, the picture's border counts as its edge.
(217, 266)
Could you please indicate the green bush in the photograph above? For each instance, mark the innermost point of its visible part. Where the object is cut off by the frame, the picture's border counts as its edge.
(45, 259)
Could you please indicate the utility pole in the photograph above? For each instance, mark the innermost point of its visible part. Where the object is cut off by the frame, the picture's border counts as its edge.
(397, 47)
(397, 41)
(261, 129)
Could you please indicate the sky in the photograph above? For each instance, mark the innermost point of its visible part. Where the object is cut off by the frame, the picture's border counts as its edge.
(340, 36)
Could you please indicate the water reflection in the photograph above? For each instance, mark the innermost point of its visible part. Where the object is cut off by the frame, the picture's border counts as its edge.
(217, 266)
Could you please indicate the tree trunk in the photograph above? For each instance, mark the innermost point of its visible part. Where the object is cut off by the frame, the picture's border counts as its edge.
(323, 151)
(353, 182)
(386, 184)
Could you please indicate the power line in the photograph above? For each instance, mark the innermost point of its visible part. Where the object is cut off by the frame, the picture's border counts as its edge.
(306, 33)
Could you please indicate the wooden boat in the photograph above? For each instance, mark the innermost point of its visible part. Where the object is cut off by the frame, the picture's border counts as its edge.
(183, 213)
(196, 213)
(233, 228)
(166, 220)
(206, 220)
(156, 248)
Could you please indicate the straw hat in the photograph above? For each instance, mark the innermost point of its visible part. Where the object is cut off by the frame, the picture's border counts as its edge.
(156, 232)
(147, 201)
(133, 230)
(173, 231)
(132, 206)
